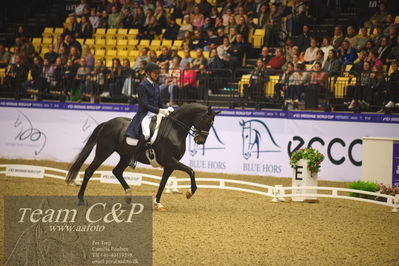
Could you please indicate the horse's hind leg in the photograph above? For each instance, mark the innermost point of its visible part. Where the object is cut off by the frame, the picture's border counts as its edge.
(101, 155)
(118, 173)
(166, 173)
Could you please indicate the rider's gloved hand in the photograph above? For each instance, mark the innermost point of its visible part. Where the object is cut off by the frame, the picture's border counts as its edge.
(164, 112)
(170, 109)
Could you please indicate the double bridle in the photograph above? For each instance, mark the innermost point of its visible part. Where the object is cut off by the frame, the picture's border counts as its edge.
(192, 131)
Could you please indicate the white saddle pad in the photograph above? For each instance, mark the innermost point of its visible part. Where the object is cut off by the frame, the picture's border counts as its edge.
(133, 142)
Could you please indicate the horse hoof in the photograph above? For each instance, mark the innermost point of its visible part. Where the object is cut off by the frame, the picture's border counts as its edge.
(189, 194)
(159, 207)
(128, 197)
(81, 203)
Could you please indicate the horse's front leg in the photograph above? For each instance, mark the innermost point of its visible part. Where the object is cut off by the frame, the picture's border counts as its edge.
(182, 167)
(165, 176)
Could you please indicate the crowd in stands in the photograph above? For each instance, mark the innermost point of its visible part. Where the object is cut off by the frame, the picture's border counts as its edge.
(221, 34)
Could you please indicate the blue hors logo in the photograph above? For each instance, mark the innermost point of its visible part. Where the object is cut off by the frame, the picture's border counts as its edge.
(195, 149)
(257, 138)
(27, 132)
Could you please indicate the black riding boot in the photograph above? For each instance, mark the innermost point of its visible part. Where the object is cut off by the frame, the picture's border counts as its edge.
(140, 148)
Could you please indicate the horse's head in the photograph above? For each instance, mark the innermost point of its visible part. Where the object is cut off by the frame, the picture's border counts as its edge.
(249, 138)
(203, 124)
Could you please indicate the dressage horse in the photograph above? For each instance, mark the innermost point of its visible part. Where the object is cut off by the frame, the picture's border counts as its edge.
(169, 147)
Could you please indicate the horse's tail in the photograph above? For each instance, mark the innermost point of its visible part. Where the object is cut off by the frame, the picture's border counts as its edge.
(84, 153)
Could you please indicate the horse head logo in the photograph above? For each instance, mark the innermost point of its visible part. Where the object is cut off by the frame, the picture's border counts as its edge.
(194, 148)
(252, 138)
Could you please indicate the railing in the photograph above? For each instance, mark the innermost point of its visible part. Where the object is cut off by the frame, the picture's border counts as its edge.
(277, 192)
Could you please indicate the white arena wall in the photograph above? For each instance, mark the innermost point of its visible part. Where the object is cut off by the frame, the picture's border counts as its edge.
(241, 141)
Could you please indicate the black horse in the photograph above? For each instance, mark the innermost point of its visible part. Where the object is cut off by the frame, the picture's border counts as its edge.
(169, 147)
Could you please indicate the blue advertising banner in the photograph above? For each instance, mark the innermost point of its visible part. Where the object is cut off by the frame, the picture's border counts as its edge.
(395, 164)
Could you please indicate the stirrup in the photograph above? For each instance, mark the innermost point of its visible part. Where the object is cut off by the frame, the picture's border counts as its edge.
(151, 154)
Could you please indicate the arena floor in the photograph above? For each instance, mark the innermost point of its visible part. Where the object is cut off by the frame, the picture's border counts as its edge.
(219, 227)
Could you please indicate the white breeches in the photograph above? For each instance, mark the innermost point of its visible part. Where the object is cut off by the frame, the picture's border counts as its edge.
(145, 124)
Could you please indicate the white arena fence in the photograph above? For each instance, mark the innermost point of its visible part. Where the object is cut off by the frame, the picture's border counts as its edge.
(278, 193)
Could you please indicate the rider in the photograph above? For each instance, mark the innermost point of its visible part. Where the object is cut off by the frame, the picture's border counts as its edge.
(149, 105)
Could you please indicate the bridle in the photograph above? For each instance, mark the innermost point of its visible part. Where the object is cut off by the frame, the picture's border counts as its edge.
(192, 131)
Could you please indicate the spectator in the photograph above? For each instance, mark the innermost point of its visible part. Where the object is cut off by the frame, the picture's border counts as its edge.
(70, 84)
(378, 17)
(318, 59)
(113, 17)
(63, 55)
(228, 17)
(236, 51)
(273, 26)
(200, 62)
(27, 50)
(51, 56)
(59, 43)
(286, 80)
(303, 39)
(173, 81)
(150, 29)
(72, 27)
(374, 60)
(57, 84)
(160, 16)
(197, 41)
(222, 50)
(47, 75)
(228, 4)
(214, 16)
(318, 81)
(71, 42)
(204, 7)
(394, 54)
(355, 94)
(295, 86)
(153, 57)
(104, 5)
(189, 7)
(389, 21)
(97, 80)
(186, 58)
(94, 19)
(392, 34)
(103, 20)
(264, 55)
(240, 12)
(277, 61)
(188, 83)
(350, 35)
(178, 8)
(379, 34)
(250, 8)
(369, 46)
(16, 75)
(82, 76)
(310, 53)
(256, 89)
(126, 20)
(172, 30)
(326, 47)
(86, 29)
(232, 35)
(138, 18)
(360, 40)
(242, 28)
(17, 52)
(147, 5)
(74, 54)
(296, 18)
(197, 19)
(86, 54)
(164, 57)
(79, 8)
(392, 92)
(5, 56)
(332, 65)
(338, 37)
(173, 54)
(116, 79)
(347, 53)
(143, 57)
(384, 50)
(185, 27)
(33, 86)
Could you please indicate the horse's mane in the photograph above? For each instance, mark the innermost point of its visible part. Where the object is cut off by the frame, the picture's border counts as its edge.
(190, 107)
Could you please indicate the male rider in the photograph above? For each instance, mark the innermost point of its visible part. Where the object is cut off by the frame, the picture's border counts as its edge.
(149, 105)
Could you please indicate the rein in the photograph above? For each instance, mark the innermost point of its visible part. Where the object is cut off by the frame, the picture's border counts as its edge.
(191, 131)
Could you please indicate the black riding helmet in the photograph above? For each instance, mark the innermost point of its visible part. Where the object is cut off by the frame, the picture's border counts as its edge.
(151, 67)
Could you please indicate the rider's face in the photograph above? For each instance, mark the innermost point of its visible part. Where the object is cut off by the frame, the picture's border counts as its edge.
(154, 75)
